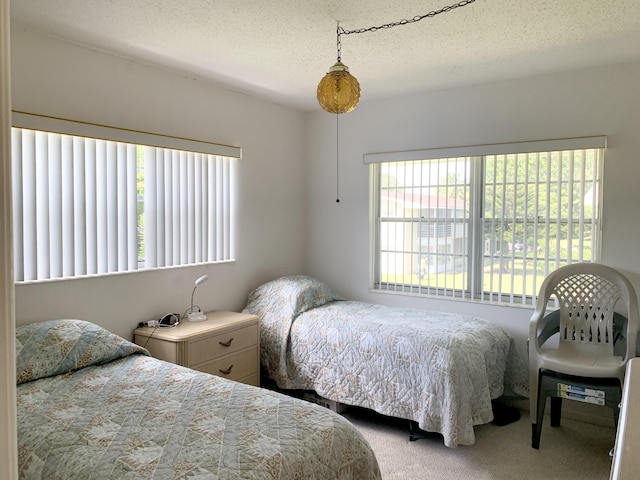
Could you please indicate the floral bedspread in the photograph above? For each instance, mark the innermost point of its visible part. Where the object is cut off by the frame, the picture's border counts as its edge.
(439, 369)
(137, 417)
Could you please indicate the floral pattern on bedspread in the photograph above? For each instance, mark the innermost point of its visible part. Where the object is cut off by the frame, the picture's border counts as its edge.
(440, 369)
(138, 417)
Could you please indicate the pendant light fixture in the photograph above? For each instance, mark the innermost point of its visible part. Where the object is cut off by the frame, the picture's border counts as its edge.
(339, 91)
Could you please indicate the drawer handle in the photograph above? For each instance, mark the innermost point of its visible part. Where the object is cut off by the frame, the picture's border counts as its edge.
(227, 343)
(227, 371)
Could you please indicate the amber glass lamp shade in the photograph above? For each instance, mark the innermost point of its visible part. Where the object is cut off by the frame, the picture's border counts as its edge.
(338, 91)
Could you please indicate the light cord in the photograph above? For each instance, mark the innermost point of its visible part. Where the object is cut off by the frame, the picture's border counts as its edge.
(337, 160)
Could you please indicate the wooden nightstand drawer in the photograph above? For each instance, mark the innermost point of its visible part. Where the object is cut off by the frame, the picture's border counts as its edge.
(234, 367)
(226, 343)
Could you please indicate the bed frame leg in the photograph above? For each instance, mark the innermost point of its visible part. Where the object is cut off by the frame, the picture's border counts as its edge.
(414, 431)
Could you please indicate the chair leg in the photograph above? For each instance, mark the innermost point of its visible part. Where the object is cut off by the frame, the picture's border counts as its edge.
(535, 436)
(556, 410)
(547, 386)
(536, 428)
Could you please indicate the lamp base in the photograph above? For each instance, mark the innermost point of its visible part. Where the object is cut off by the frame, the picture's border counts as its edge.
(196, 317)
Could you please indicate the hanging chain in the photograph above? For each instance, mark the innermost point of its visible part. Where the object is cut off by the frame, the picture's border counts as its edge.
(417, 18)
(339, 42)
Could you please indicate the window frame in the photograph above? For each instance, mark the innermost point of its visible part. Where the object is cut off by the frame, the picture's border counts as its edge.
(476, 154)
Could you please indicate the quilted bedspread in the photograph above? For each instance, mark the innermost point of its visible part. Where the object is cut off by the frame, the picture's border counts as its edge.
(117, 413)
(439, 369)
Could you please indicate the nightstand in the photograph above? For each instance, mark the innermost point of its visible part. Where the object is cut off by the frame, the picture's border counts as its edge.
(226, 344)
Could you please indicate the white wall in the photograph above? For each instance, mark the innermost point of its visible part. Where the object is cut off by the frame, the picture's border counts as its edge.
(602, 101)
(55, 78)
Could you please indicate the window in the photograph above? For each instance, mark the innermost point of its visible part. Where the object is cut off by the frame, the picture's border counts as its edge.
(486, 222)
(85, 205)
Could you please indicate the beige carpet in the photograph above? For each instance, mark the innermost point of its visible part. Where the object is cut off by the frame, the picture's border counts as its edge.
(576, 450)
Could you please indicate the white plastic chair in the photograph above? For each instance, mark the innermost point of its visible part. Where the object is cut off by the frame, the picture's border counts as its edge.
(597, 307)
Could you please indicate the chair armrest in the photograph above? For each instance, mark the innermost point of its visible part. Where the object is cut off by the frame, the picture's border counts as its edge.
(548, 326)
(619, 327)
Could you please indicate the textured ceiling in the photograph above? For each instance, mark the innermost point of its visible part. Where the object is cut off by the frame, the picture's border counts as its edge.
(279, 49)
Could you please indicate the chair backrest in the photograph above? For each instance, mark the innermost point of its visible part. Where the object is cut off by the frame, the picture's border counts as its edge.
(587, 303)
(588, 296)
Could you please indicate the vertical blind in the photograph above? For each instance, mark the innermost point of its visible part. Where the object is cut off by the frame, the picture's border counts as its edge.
(547, 215)
(424, 226)
(188, 207)
(84, 206)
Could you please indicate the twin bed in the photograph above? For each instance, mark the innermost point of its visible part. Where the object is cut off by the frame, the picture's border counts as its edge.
(440, 370)
(92, 405)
